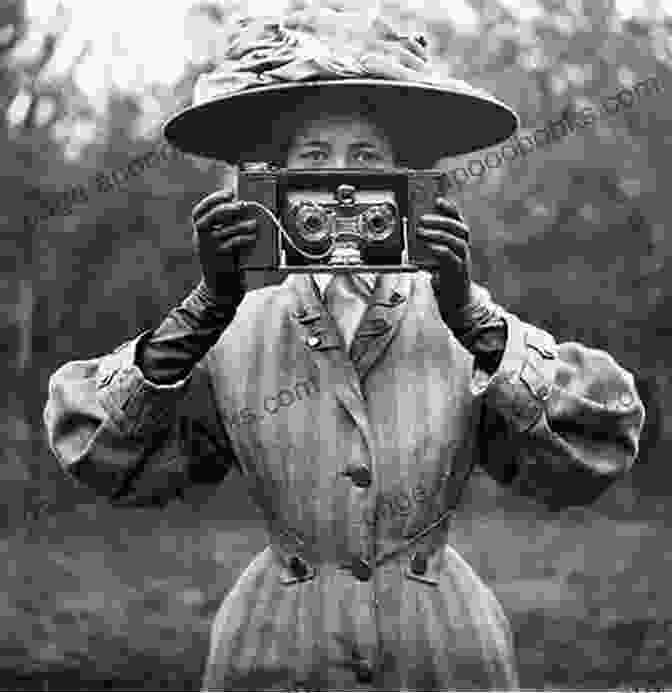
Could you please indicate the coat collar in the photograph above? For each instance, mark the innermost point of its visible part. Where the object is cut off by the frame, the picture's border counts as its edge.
(317, 329)
(322, 281)
(378, 327)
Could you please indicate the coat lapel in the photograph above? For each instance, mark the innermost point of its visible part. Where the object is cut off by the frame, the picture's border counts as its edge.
(317, 330)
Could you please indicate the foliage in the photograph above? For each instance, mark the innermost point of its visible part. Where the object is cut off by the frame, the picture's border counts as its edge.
(571, 237)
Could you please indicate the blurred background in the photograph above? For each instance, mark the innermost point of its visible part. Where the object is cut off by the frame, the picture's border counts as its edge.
(93, 250)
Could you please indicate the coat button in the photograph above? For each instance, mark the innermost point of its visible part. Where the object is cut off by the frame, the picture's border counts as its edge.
(364, 672)
(361, 569)
(313, 341)
(418, 564)
(298, 567)
(360, 476)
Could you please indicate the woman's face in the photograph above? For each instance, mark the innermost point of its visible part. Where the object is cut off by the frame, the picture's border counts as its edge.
(340, 141)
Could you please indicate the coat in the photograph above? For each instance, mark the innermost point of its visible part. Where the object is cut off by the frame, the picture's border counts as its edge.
(356, 462)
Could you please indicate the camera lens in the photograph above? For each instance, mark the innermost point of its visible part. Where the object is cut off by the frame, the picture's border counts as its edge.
(312, 221)
(379, 221)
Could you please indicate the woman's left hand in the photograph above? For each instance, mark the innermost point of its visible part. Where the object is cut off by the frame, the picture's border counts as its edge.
(447, 235)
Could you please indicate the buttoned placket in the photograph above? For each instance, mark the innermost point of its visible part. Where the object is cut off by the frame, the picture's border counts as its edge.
(321, 337)
(319, 332)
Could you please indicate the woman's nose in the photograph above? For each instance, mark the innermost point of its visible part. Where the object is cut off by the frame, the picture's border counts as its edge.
(339, 161)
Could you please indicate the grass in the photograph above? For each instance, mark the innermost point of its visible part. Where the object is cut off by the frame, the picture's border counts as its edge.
(108, 599)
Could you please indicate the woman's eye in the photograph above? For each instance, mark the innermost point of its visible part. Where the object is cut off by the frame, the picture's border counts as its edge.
(368, 156)
(314, 155)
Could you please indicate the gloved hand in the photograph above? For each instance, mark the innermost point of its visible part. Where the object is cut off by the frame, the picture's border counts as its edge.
(447, 234)
(465, 307)
(222, 228)
(220, 231)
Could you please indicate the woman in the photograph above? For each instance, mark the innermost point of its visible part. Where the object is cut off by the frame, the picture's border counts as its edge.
(413, 378)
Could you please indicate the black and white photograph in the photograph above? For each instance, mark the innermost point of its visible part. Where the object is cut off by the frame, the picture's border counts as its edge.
(335, 345)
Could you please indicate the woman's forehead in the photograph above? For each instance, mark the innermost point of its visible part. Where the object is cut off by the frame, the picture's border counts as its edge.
(327, 126)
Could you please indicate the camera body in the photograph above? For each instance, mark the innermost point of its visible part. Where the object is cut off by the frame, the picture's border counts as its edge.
(329, 220)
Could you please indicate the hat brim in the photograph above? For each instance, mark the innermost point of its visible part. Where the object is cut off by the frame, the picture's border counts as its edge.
(425, 122)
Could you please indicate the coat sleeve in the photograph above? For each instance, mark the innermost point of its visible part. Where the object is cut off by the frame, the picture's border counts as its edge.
(560, 421)
(135, 442)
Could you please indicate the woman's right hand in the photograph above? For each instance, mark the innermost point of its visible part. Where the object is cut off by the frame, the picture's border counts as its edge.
(222, 227)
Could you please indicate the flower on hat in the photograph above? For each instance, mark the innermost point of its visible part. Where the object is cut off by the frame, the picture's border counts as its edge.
(264, 50)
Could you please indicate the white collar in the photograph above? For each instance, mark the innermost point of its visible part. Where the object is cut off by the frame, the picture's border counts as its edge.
(322, 280)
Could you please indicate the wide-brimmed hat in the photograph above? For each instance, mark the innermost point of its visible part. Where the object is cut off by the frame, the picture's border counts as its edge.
(272, 74)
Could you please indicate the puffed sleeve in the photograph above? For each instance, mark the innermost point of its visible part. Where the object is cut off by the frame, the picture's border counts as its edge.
(560, 421)
(133, 441)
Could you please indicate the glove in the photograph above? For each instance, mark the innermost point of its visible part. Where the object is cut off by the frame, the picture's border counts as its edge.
(447, 235)
(465, 307)
(222, 228)
(220, 231)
